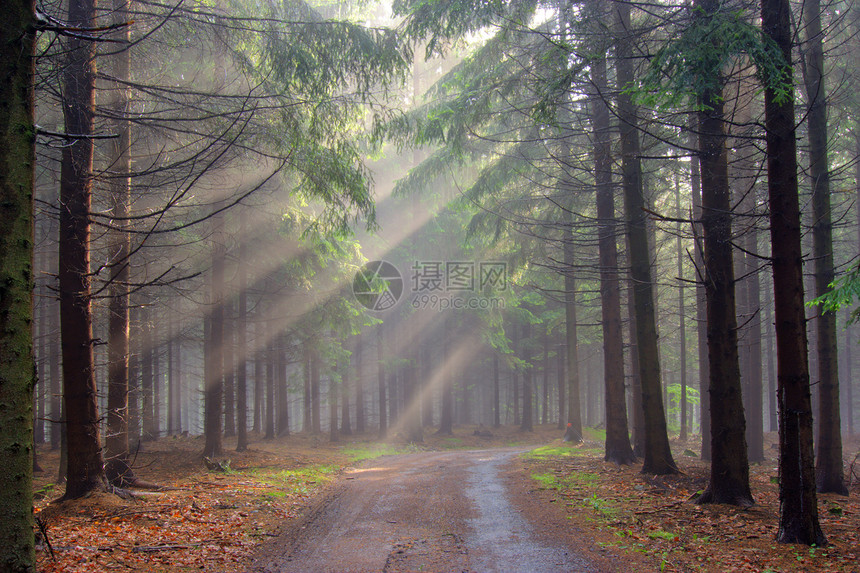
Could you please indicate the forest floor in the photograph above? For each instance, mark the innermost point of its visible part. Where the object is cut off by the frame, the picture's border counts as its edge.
(220, 521)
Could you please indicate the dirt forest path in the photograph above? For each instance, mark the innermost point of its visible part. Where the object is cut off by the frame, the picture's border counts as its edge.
(438, 511)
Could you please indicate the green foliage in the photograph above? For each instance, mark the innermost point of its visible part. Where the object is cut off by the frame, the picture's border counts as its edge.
(316, 81)
(694, 62)
(845, 290)
(441, 22)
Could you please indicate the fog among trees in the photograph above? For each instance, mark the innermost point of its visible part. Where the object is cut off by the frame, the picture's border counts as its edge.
(247, 220)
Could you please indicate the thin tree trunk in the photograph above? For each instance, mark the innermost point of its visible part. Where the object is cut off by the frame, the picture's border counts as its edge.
(729, 482)
(116, 440)
(497, 421)
(527, 425)
(259, 334)
(316, 425)
(701, 300)
(359, 386)
(682, 314)
(229, 375)
(85, 471)
(282, 383)
(345, 419)
(828, 467)
(214, 389)
(380, 357)
(798, 519)
(333, 390)
(573, 433)
(146, 384)
(242, 339)
(271, 360)
(658, 455)
(617, 446)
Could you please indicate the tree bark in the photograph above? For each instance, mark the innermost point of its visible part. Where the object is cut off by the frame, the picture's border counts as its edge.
(526, 423)
(380, 356)
(85, 471)
(658, 455)
(242, 339)
(116, 435)
(359, 386)
(729, 482)
(271, 361)
(617, 446)
(829, 473)
(446, 419)
(214, 388)
(573, 432)
(701, 298)
(682, 315)
(280, 363)
(17, 362)
(798, 515)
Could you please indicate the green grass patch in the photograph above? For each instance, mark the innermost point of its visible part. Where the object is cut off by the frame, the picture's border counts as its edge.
(667, 535)
(357, 454)
(299, 481)
(594, 434)
(559, 451)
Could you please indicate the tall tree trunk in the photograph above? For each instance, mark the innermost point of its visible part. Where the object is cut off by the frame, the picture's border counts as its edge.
(745, 173)
(116, 436)
(306, 392)
(729, 481)
(316, 363)
(85, 471)
(214, 389)
(146, 383)
(157, 377)
(345, 418)
(17, 363)
(828, 468)
(259, 354)
(425, 377)
(228, 354)
(497, 420)
(242, 339)
(544, 419)
(701, 298)
(333, 390)
(380, 357)
(798, 508)
(561, 382)
(55, 357)
(446, 419)
(573, 433)
(412, 409)
(658, 455)
(172, 402)
(282, 383)
(682, 313)
(634, 388)
(359, 386)
(526, 424)
(515, 375)
(617, 446)
(271, 361)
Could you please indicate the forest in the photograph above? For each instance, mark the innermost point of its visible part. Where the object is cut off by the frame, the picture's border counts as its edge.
(231, 224)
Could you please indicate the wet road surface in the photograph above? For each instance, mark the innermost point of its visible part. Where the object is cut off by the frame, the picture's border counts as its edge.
(438, 511)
